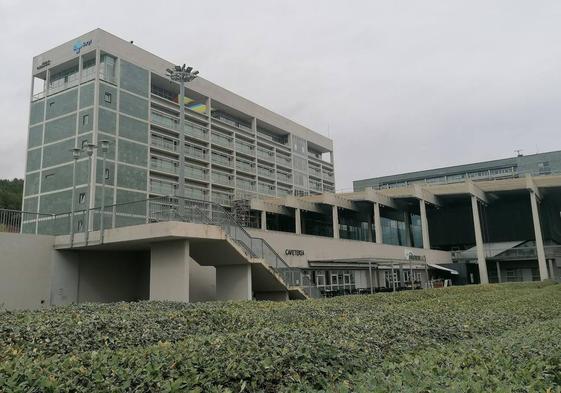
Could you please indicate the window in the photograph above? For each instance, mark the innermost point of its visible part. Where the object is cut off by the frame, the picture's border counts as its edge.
(106, 173)
(80, 225)
(82, 198)
(544, 168)
(85, 120)
(84, 143)
(51, 104)
(107, 97)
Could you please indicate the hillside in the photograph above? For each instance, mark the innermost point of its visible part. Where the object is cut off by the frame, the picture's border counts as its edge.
(11, 192)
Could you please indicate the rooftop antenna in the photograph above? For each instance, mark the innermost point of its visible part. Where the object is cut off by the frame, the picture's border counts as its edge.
(519, 152)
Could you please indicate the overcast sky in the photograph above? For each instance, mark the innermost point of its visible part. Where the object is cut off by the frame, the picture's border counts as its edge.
(398, 85)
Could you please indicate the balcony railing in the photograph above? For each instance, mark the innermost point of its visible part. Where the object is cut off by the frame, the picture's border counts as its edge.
(163, 188)
(266, 189)
(165, 120)
(163, 143)
(196, 173)
(245, 147)
(222, 160)
(245, 166)
(328, 177)
(222, 178)
(196, 193)
(315, 171)
(284, 177)
(196, 131)
(283, 191)
(268, 155)
(164, 166)
(231, 122)
(284, 160)
(193, 151)
(268, 172)
(222, 140)
(245, 185)
(222, 199)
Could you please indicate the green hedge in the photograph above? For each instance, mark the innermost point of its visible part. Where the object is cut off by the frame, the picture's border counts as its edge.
(409, 341)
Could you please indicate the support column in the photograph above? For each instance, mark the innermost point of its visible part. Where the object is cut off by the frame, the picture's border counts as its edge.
(369, 226)
(169, 271)
(499, 278)
(298, 221)
(481, 262)
(233, 282)
(377, 223)
(401, 276)
(407, 222)
(538, 234)
(264, 220)
(424, 224)
(551, 269)
(335, 215)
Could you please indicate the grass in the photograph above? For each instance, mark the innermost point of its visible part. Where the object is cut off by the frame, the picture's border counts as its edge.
(466, 339)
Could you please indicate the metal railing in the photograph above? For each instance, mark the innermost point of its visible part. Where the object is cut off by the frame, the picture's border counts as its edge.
(157, 209)
(15, 221)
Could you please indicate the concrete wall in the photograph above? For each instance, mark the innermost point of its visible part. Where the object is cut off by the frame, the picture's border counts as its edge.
(202, 282)
(114, 276)
(25, 270)
(317, 248)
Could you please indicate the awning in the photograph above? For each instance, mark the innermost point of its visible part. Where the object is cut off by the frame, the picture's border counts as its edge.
(438, 267)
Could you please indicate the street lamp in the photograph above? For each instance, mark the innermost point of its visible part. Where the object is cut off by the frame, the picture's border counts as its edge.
(104, 149)
(75, 156)
(90, 147)
(182, 75)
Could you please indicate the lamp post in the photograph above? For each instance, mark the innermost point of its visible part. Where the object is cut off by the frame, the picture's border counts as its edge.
(104, 149)
(90, 147)
(182, 75)
(75, 156)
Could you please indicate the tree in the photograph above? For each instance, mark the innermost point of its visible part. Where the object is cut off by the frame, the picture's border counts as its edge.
(11, 192)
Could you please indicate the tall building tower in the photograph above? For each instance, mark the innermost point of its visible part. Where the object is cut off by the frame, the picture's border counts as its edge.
(100, 87)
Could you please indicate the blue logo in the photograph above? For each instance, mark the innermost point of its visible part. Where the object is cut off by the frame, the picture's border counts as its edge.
(78, 45)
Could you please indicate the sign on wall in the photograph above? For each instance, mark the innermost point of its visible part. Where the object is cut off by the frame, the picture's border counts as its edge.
(294, 253)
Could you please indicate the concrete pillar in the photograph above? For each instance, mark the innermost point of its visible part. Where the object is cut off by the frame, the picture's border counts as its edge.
(551, 269)
(539, 239)
(499, 278)
(298, 221)
(424, 224)
(264, 220)
(369, 226)
(169, 271)
(233, 282)
(377, 223)
(481, 262)
(401, 276)
(335, 215)
(407, 222)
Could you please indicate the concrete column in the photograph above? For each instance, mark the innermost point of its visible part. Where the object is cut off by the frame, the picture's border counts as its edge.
(335, 215)
(369, 226)
(481, 262)
(169, 271)
(551, 269)
(264, 220)
(539, 239)
(298, 221)
(424, 224)
(233, 282)
(377, 223)
(401, 276)
(499, 278)
(407, 222)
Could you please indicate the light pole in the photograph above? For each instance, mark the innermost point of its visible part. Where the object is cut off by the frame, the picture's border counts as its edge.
(75, 155)
(90, 147)
(104, 149)
(182, 75)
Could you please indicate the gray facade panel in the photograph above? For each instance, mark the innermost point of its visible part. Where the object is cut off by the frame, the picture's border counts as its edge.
(132, 153)
(87, 95)
(33, 159)
(32, 183)
(134, 79)
(107, 96)
(133, 105)
(133, 129)
(58, 153)
(60, 128)
(131, 177)
(35, 136)
(85, 121)
(62, 104)
(107, 121)
(37, 112)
